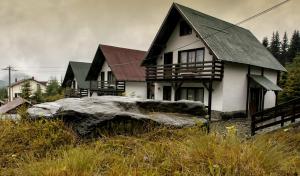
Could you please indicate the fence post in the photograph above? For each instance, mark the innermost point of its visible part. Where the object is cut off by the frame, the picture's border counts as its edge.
(282, 118)
(252, 125)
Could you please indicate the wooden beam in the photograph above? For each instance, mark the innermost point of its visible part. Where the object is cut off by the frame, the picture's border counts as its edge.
(248, 88)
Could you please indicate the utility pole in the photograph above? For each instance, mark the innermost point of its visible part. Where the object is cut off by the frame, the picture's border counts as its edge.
(10, 69)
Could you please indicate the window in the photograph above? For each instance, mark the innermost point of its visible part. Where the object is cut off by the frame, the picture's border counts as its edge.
(191, 56)
(185, 29)
(110, 77)
(192, 93)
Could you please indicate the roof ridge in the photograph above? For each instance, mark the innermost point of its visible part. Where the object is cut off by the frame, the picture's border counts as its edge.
(229, 23)
(121, 47)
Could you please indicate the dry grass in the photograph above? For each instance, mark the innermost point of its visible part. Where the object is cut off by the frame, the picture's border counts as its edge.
(162, 152)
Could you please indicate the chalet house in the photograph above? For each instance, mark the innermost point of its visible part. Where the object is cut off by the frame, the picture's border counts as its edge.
(15, 90)
(74, 81)
(197, 57)
(117, 71)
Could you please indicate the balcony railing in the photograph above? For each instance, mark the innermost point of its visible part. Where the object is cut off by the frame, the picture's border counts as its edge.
(115, 86)
(76, 93)
(183, 71)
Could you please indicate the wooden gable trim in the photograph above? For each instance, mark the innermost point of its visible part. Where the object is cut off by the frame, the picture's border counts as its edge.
(96, 66)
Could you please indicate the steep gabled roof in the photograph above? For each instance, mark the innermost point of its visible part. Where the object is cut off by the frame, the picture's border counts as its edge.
(124, 63)
(226, 41)
(77, 70)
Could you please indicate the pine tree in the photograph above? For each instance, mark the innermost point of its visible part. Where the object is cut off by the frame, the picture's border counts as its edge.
(275, 45)
(38, 95)
(265, 42)
(53, 88)
(294, 45)
(284, 49)
(26, 90)
(291, 81)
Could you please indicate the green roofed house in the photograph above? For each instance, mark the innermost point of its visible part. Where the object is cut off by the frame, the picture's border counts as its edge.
(74, 80)
(198, 57)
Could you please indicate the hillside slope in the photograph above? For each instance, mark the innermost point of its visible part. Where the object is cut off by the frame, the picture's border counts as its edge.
(50, 148)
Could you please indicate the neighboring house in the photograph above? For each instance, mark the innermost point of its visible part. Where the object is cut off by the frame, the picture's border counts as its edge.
(74, 80)
(16, 87)
(12, 106)
(117, 71)
(197, 57)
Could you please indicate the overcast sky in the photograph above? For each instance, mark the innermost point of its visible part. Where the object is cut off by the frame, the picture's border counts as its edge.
(39, 37)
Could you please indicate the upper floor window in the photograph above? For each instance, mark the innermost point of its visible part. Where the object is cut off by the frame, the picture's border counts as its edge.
(185, 28)
(191, 58)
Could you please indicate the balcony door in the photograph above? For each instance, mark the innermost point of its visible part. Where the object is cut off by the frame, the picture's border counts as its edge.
(168, 61)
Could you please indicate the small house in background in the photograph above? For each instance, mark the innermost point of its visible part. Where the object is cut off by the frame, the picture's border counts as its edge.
(74, 82)
(117, 71)
(12, 106)
(15, 89)
(197, 57)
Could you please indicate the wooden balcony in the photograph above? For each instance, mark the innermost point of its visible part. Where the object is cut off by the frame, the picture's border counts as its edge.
(76, 93)
(108, 86)
(186, 71)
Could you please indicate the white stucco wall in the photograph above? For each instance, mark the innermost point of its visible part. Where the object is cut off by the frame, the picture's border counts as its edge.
(234, 87)
(270, 97)
(136, 89)
(18, 88)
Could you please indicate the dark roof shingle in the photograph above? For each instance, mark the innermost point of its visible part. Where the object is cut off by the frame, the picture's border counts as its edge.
(124, 63)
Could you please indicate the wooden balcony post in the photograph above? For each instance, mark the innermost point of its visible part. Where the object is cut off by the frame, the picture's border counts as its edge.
(253, 125)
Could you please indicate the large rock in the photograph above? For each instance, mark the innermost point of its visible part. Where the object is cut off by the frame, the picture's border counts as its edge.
(87, 115)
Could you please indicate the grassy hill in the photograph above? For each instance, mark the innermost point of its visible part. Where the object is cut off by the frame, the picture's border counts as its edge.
(51, 148)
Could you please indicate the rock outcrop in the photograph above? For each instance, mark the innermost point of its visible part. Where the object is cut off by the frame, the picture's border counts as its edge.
(88, 115)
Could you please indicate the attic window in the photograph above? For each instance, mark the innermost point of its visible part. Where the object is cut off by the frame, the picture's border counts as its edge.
(185, 28)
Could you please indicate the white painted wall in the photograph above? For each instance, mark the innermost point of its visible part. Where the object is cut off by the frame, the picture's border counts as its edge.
(234, 87)
(270, 97)
(175, 41)
(17, 89)
(136, 90)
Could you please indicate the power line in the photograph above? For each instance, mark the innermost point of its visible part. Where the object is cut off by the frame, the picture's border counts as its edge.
(250, 18)
(9, 69)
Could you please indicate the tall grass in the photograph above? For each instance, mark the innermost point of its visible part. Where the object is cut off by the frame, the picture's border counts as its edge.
(171, 152)
(49, 148)
(20, 140)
